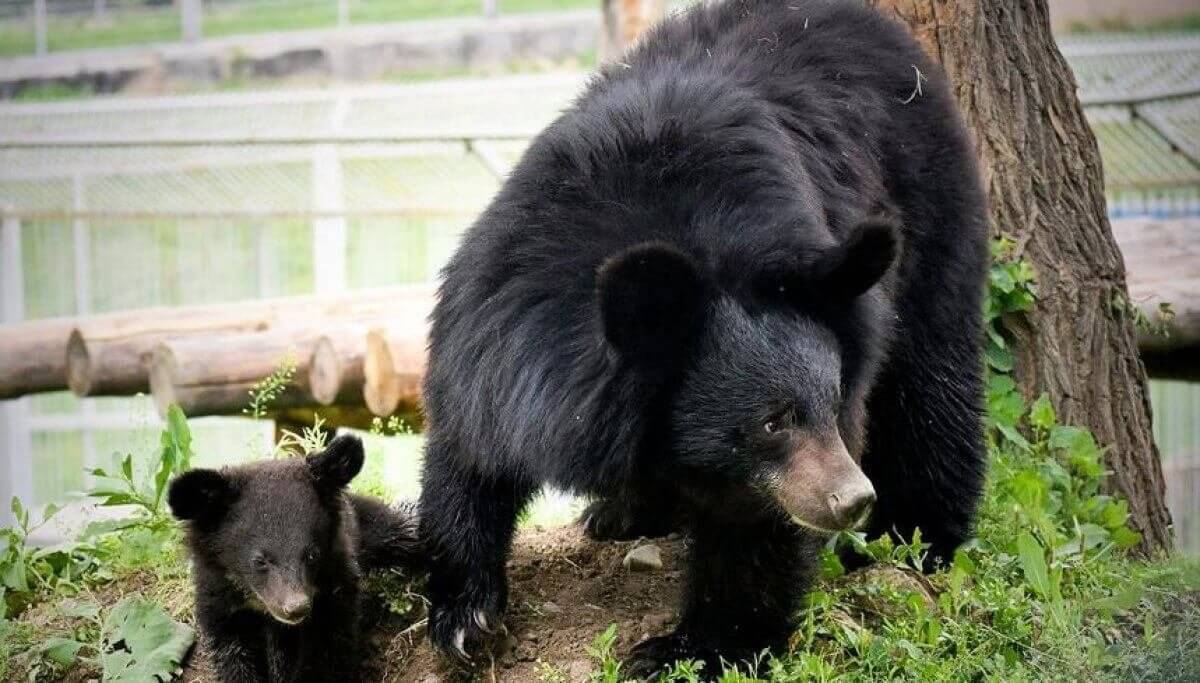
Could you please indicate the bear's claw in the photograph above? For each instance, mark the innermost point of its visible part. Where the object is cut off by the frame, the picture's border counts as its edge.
(654, 656)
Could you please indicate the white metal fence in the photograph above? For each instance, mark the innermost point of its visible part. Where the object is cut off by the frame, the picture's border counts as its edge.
(41, 26)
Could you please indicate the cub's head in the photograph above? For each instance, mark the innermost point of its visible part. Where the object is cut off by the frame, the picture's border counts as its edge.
(274, 528)
(764, 371)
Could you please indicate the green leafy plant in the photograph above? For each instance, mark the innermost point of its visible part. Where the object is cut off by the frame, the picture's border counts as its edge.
(136, 641)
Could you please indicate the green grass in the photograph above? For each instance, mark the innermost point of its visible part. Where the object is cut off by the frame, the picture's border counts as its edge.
(133, 27)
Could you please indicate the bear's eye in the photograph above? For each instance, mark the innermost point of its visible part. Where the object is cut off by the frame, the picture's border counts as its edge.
(771, 426)
(311, 556)
(260, 563)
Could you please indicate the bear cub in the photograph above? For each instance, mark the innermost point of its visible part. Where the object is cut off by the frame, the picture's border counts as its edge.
(277, 549)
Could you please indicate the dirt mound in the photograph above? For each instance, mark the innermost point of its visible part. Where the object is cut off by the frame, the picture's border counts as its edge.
(564, 590)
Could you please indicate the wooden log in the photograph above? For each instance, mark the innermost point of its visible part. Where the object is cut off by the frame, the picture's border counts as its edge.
(381, 382)
(1162, 258)
(335, 372)
(115, 362)
(214, 375)
(394, 362)
(33, 357)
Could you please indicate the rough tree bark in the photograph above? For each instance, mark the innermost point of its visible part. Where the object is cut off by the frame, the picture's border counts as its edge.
(1042, 169)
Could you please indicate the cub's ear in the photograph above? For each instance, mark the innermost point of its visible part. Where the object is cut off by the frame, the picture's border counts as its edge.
(852, 267)
(200, 495)
(652, 298)
(340, 462)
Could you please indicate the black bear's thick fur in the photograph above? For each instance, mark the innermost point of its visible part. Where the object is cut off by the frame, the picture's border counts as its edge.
(758, 237)
(277, 550)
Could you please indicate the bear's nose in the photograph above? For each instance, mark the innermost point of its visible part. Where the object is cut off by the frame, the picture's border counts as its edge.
(850, 506)
(297, 609)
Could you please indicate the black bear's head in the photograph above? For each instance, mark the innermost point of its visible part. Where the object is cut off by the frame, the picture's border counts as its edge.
(273, 528)
(761, 384)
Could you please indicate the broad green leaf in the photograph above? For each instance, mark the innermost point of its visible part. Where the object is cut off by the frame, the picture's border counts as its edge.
(14, 576)
(1028, 489)
(61, 651)
(1014, 436)
(1033, 563)
(1041, 414)
(963, 562)
(155, 643)
(1001, 279)
(106, 526)
(80, 609)
(127, 467)
(999, 358)
(1126, 538)
(831, 565)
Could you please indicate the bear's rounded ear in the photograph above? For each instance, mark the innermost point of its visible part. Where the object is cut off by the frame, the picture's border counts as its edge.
(340, 462)
(850, 268)
(199, 495)
(652, 298)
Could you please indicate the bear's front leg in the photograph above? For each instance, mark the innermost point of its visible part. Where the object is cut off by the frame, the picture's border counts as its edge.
(235, 643)
(331, 649)
(744, 587)
(467, 522)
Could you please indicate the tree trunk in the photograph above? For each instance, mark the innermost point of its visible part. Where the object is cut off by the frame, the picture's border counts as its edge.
(625, 20)
(1042, 170)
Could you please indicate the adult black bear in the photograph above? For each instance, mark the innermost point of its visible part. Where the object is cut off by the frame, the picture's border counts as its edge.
(749, 255)
(276, 549)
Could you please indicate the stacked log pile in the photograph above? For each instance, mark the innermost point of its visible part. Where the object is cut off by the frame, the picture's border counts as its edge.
(362, 354)
(356, 356)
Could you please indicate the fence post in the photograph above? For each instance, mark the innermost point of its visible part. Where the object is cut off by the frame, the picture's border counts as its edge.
(191, 16)
(16, 443)
(329, 226)
(491, 8)
(39, 27)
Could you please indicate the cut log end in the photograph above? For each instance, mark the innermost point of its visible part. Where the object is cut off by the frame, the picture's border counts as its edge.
(381, 383)
(163, 369)
(79, 364)
(325, 372)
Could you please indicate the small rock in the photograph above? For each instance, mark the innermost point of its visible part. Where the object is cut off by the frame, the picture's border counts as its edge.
(655, 622)
(644, 558)
(550, 608)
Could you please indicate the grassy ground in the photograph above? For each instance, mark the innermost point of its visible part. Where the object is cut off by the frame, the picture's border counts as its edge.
(143, 25)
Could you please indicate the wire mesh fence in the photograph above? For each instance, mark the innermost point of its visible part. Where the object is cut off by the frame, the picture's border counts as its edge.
(41, 26)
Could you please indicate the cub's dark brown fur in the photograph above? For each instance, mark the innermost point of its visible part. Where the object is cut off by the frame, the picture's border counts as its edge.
(277, 550)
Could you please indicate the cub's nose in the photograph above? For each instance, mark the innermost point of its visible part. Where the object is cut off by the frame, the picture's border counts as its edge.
(296, 610)
(850, 506)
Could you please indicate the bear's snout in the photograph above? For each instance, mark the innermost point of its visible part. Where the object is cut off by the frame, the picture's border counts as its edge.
(851, 505)
(820, 485)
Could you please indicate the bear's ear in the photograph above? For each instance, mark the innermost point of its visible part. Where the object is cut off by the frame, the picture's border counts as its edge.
(340, 462)
(200, 495)
(652, 297)
(852, 267)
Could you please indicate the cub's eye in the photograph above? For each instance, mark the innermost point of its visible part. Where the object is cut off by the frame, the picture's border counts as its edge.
(771, 426)
(260, 563)
(311, 556)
